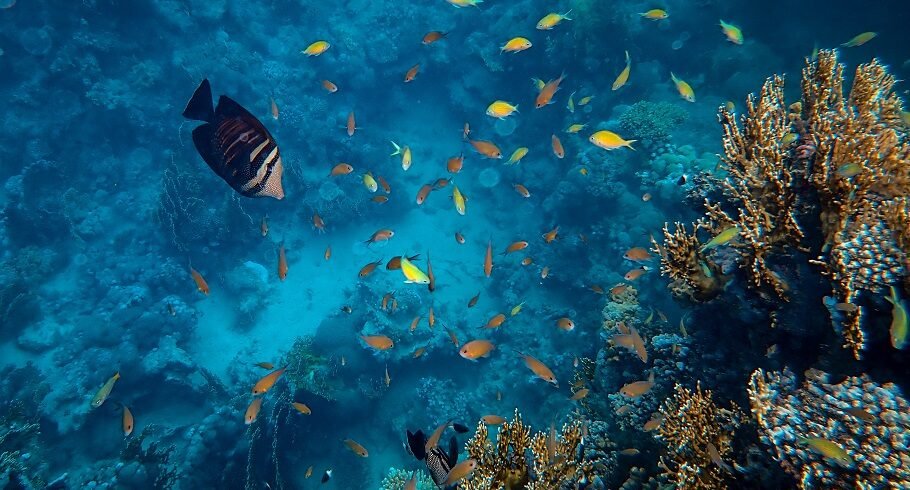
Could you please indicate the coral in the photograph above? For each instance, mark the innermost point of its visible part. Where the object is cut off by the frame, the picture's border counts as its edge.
(868, 420)
(691, 421)
(651, 122)
(396, 479)
(694, 275)
(153, 458)
(306, 370)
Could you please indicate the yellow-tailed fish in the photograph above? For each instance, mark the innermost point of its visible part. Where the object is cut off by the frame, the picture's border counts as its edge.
(517, 155)
(576, 128)
(412, 274)
(501, 109)
(585, 100)
(734, 34)
(317, 48)
(570, 105)
(539, 83)
(623, 76)
(722, 238)
(849, 170)
(459, 200)
(517, 308)
(655, 14)
(788, 138)
(369, 182)
(465, 3)
(829, 449)
(105, 391)
(515, 45)
(898, 320)
(552, 20)
(684, 89)
(609, 140)
(405, 153)
(860, 39)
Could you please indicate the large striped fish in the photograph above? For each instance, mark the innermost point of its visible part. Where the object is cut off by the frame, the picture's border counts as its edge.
(438, 462)
(235, 145)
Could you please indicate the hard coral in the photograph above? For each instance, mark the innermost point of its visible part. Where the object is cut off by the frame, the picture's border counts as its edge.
(694, 276)
(651, 122)
(870, 421)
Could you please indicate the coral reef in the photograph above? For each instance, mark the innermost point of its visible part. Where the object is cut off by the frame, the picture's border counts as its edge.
(397, 478)
(867, 420)
(651, 122)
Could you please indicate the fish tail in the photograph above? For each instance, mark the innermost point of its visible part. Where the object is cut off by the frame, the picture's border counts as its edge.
(629, 144)
(200, 106)
(628, 59)
(565, 16)
(397, 149)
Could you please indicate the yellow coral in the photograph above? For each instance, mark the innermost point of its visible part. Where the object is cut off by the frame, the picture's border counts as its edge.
(694, 276)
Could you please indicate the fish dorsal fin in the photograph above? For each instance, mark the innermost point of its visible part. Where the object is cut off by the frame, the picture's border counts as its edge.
(453, 452)
(199, 107)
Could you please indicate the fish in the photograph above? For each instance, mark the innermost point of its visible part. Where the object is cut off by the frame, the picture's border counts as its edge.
(460, 471)
(522, 190)
(473, 301)
(634, 274)
(517, 155)
(316, 48)
(501, 109)
(268, 381)
(433, 36)
(538, 83)
(618, 289)
(545, 96)
(476, 349)
(380, 199)
(459, 199)
(341, 169)
(578, 395)
(235, 145)
(515, 45)
(860, 39)
(654, 422)
(488, 260)
(596, 288)
(328, 252)
(405, 153)
(570, 104)
(558, 150)
(412, 483)
(412, 274)
(394, 263)
(105, 391)
(465, 132)
(127, 422)
(326, 476)
(388, 379)
(486, 148)
(516, 309)
(414, 323)
(623, 409)
(201, 285)
(347, 309)
(734, 34)
(540, 369)
(343, 362)
(684, 89)
(608, 140)
(496, 321)
(419, 352)
(455, 164)
(899, 321)
(722, 238)
(527, 261)
(252, 411)
(309, 472)
(585, 100)
(433, 441)
(369, 182)
(411, 73)
(356, 448)
(329, 86)
(301, 408)
(646, 197)
(849, 170)
(575, 128)
(465, 3)
(438, 462)
(265, 365)
(282, 263)
(440, 183)
(655, 14)
(552, 20)
(565, 324)
(771, 350)
(861, 414)
(551, 235)
(460, 428)
(423, 193)
(629, 452)
(381, 235)
(318, 223)
(351, 126)
(368, 269)
(638, 344)
(385, 300)
(452, 336)
(431, 286)
(623, 76)
(829, 449)
(274, 108)
(583, 171)
(459, 238)
(516, 246)
(637, 388)
(378, 342)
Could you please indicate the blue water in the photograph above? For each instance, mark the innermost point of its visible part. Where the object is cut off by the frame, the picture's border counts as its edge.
(106, 204)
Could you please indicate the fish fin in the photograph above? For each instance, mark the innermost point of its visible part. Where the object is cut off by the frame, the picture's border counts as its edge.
(453, 451)
(629, 144)
(565, 16)
(417, 443)
(202, 138)
(397, 149)
(199, 108)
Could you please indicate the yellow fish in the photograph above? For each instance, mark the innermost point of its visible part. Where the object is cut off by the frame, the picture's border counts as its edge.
(829, 449)
(105, 391)
(849, 170)
(369, 182)
(459, 199)
(465, 3)
(576, 128)
(539, 83)
(551, 20)
(655, 14)
(405, 155)
(788, 138)
(722, 238)
(624, 74)
(517, 308)
(412, 274)
(515, 45)
(734, 34)
(684, 89)
(317, 48)
(608, 140)
(570, 105)
(585, 100)
(860, 39)
(517, 155)
(898, 320)
(501, 109)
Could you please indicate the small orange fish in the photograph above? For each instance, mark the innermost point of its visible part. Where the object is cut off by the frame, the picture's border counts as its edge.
(623, 329)
(580, 394)
(637, 388)
(385, 300)
(476, 349)
(522, 190)
(597, 289)
(431, 318)
(557, 147)
(527, 261)
(368, 269)
(419, 352)
(394, 263)
(629, 452)
(623, 409)
(380, 236)
(463, 469)
(486, 148)
(265, 365)
(252, 411)
(496, 321)
(551, 235)
(385, 185)
(127, 421)
(423, 193)
(540, 369)
(565, 324)
(328, 252)
(452, 336)
(329, 86)
(409, 76)
(638, 344)
(634, 274)
(516, 246)
(201, 285)
(637, 254)
(352, 125)
(433, 441)
(274, 109)
(433, 36)
(309, 472)
(619, 289)
(267, 381)
(488, 260)
(473, 300)
(414, 323)
(454, 164)
(356, 448)
(318, 223)
(545, 96)
(654, 422)
(264, 226)
(646, 197)
(341, 169)
(459, 238)
(380, 199)
(432, 284)
(282, 263)
(378, 342)
(440, 183)
(302, 408)
(493, 419)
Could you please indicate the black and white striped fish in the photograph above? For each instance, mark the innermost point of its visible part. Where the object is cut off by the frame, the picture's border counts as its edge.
(438, 462)
(235, 145)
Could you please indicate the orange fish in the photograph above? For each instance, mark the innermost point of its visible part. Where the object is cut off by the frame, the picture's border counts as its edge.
(433, 36)
(654, 422)
(540, 369)
(127, 421)
(634, 274)
(328, 252)
(432, 284)
(264, 226)
(486, 148)
(597, 289)
(623, 409)
(201, 285)
(409, 76)
(557, 147)
(493, 419)
(623, 329)
(282, 263)
(318, 223)
(516, 246)
(385, 185)
(459, 238)
(378, 342)
(423, 193)
(274, 109)
(302, 408)
(545, 96)
(637, 388)
(619, 289)
(565, 324)
(265, 365)
(419, 352)
(488, 260)
(496, 321)
(522, 190)
(551, 235)
(329, 86)
(433, 441)
(440, 183)
(452, 336)
(356, 448)
(646, 197)
(394, 263)
(580, 394)
(527, 261)
(476, 349)
(380, 236)
(341, 169)
(352, 125)
(431, 318)
(473, 300)
(637, 254)
(380, 199)
(252, 411)
(385, 300)
(267, 381)
(368, 269)
(414, 323)
(545, 272)
(454, 164)
(638, 344)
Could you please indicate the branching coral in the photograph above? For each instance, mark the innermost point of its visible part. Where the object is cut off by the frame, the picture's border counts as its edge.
(153, 457)
(304, 367)
(692, 421)
(869, 421)
(682, 259)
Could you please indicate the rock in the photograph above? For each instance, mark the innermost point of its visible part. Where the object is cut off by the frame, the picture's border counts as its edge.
(40, 337)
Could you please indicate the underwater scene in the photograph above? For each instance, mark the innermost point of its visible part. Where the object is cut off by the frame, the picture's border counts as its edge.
(454, 244)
